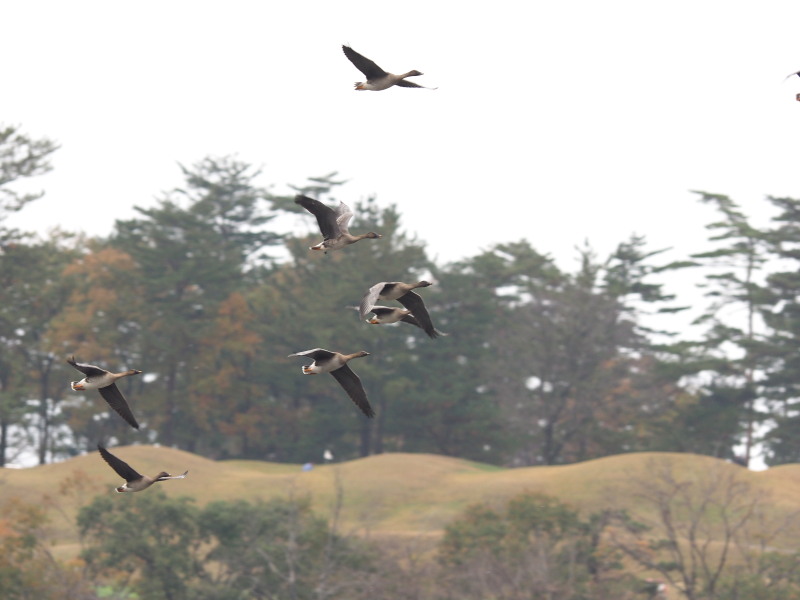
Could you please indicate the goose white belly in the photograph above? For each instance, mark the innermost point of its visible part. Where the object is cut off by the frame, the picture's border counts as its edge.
(377, 85)
(93, 383)
(326, 367)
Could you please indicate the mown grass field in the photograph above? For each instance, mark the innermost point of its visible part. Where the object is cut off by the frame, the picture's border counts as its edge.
(386, 495)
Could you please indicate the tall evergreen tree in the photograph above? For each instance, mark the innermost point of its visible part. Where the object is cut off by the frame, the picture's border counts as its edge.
(575, 361)
(32, 368)
(453, 392)
(307, 303)
(193, 249)
(20, 157)
(731, 343)
(780, 309)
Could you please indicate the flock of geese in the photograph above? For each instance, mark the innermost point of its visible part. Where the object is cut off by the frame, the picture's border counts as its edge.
(333, 224)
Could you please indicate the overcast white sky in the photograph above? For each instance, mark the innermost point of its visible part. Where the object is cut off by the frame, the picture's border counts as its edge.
(553, 121)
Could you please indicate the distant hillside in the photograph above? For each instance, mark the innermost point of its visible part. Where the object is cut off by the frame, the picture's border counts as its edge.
(388, 494)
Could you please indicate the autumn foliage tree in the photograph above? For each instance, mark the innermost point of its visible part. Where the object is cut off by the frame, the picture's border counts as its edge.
(194, 249)
(28, 569)
(100, 324)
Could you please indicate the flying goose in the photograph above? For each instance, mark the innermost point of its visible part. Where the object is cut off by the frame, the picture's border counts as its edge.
(392, 314)
(377, 78)
(104, 382)
(134, 482)
(404, 294)
(332, 223)
(335, 363)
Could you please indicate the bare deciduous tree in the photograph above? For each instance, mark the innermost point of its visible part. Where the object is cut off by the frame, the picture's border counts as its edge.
(697, 529)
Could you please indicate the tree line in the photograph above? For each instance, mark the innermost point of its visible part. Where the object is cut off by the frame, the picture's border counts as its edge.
(205, 294)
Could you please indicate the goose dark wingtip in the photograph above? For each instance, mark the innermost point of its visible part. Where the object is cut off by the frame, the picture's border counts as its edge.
(335, 363)
(377, 78)
(134, 481)
(333, 224)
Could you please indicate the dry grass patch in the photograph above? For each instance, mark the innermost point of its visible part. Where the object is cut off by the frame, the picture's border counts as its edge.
(399, 494)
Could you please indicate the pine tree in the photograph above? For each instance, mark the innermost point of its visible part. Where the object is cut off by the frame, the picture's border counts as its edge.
(20, 157)
(34, 376)
(578, 377)
(731, 343)
(196, 247)
(780, 309)
(308, 303)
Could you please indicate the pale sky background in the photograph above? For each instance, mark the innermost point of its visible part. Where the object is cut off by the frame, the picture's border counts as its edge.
(554, 121)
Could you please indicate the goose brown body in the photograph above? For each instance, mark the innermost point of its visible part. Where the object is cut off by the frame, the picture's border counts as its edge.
(134, 481)
(377, 78)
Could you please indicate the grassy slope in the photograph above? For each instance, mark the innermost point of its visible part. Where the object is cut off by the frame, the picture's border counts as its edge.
(390, 494)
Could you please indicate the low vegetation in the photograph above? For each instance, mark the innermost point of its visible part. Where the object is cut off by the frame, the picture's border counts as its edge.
(407, 526)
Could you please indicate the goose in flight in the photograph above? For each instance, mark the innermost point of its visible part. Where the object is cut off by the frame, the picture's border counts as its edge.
(392, 314)
(405, 295)
(105, 382)
(333, 224)
(377, 78)
(335, 363)
(134, 482)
